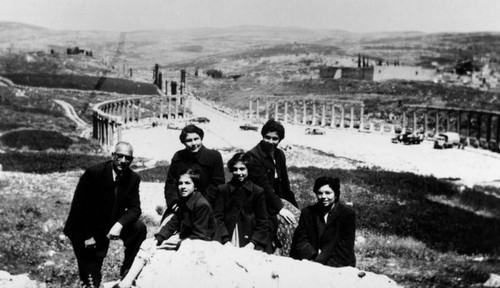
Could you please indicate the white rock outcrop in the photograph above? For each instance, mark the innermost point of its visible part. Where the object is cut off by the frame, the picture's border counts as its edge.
(18, 281)
(209, 264)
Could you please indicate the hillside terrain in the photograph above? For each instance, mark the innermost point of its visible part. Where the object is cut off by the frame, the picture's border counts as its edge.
(414, 228)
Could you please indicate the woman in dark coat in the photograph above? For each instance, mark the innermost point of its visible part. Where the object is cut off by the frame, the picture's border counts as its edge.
(326, 230)
(240, 209)
(194, 219)
(207, 161)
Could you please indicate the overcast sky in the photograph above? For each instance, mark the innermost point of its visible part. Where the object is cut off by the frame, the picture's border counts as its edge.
(350, 15)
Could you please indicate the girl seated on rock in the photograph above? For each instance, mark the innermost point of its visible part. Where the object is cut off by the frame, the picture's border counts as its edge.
(240, 209)
(326, 230)
(193, 220)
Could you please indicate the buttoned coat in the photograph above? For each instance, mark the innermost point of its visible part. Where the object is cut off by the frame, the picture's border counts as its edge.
(193, 220)
(95, 209)
(207, 161)
(335, 238)
(262, 170)
(245, 205)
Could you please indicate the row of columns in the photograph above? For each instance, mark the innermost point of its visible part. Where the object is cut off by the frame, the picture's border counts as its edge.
(470, 126)
(316, 117)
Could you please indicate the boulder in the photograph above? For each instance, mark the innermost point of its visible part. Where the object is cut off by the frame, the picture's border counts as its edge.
(18, 281)
(209, 264)
(493, 281)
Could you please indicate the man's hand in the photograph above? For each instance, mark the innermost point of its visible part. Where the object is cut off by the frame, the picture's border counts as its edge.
(114, 232)
(287, 215)
(89, 243)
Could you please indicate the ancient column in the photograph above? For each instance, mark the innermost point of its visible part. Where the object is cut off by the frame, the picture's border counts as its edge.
(488, 128)
(295, 113)
(94, 125)
(285, 116)
(250, 113)
(332, 123)
(139, 112)
(447, 121)
(469, 119)
(362, 116)
(304, 113)
(257, 108)
(479, 124)
(403, 121)
(267, 109)
(458, 121)
(313, 122)
(177, 100)
(167, 86)
(127, 112)
(351, 124)
(184, 106)
(276, 110)
(169, 109)
(498, 133)
(437, 121)
(414, 121)
(323, 115)
(119, 132)
(426, 122)
(342, 117)
(112, 134)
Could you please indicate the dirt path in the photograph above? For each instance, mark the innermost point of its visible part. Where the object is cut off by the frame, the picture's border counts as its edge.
(470, 165)
(70, 112)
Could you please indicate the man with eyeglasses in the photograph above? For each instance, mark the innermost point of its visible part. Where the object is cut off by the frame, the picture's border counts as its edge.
(106, 206)
(267, 169)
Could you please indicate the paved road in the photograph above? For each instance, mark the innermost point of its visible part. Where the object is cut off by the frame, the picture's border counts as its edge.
(470, 165)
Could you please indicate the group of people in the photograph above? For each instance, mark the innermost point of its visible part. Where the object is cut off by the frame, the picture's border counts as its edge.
(199, 205)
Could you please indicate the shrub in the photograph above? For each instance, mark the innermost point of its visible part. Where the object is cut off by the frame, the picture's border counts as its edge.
(36, 140)
(83, 82)
(47, 162)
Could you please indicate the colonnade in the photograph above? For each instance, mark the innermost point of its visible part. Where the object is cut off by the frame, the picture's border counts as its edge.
(110, 117)
(477, 127)
(314, 112)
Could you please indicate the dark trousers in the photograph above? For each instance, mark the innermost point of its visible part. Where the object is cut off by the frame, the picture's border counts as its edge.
(90, 259)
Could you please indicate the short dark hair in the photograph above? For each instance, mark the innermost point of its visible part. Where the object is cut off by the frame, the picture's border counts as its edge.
(193, 173)
(334, 183)
(191, 128)
(273, 126)
(238, 157)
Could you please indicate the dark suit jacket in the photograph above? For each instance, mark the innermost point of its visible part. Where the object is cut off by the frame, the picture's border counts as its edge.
(207, 161)
(243, 205)
(194, 220)
(335, 238)
(95, 210)
(261, 170)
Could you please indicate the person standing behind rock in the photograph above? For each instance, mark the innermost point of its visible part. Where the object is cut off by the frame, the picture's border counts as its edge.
(106, 206)
(240, 209)
(207, 161)
(326, 230)
(267, 169)
(194, 219)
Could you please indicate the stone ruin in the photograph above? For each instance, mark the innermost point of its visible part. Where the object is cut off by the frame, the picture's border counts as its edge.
(209, 264)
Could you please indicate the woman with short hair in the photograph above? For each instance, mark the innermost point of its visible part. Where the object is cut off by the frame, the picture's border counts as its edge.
(326, 230)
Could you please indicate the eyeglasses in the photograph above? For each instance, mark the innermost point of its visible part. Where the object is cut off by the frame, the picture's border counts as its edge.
(271, 138)
(120, 156)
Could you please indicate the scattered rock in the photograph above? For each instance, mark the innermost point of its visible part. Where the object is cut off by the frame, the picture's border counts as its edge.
(18, 281)
(493, 281)
(210, 264)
